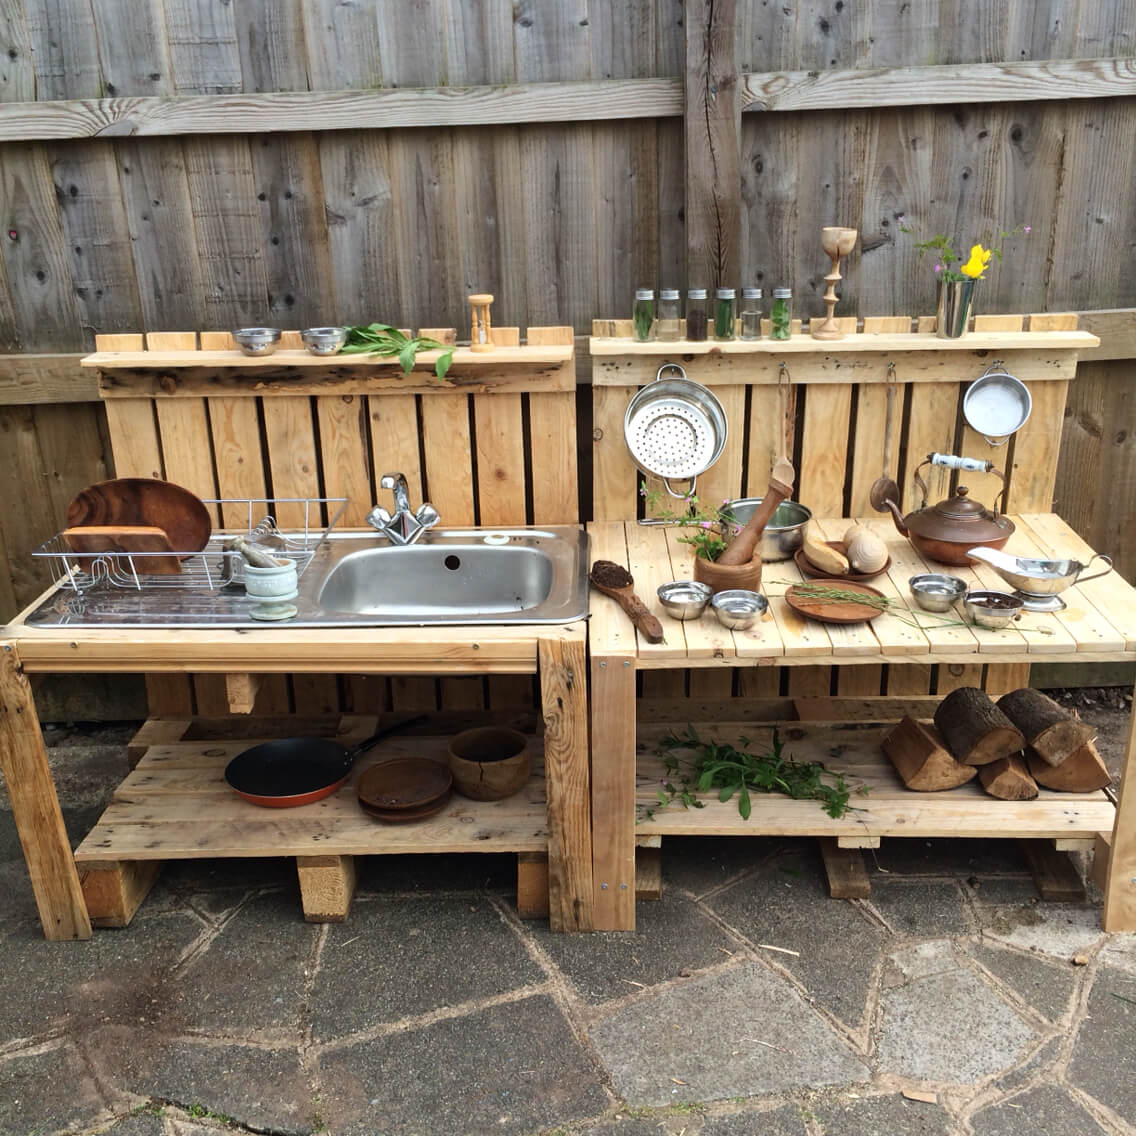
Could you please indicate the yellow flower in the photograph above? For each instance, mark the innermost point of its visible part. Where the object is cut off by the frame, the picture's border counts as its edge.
(976, 266)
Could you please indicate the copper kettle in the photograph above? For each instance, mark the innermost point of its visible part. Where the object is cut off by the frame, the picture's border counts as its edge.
(945, 531)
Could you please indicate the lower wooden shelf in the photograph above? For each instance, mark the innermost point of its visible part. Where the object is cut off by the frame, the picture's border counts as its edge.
(888, 809)
(175, 805)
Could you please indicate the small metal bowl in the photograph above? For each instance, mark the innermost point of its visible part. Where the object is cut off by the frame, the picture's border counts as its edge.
(993, 609)
(684, 599)
(257, 341)
(324, 340)
(738, 609)
(936, 591)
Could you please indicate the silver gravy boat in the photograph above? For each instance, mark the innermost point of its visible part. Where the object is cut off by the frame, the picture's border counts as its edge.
(1038, 582)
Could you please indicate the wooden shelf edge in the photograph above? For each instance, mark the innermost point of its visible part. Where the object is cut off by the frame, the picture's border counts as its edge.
(289, 357)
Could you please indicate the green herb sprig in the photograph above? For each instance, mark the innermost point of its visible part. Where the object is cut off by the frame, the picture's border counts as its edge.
(383, 340)
(737, 771)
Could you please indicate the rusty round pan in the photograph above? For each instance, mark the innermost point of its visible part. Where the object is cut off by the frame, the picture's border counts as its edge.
(404, 783)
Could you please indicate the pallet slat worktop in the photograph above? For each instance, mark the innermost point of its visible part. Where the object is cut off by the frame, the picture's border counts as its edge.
(1099, 623)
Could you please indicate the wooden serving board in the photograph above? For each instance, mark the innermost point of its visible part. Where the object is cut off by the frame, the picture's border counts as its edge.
(146, 501)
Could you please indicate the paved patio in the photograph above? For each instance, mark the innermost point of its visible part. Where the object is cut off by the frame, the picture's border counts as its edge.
(433, 1009)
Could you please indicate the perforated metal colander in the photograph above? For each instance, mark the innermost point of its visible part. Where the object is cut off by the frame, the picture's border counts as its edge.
(675, 429)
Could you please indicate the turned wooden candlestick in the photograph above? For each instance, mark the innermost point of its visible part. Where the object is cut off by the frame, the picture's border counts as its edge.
(837, 242)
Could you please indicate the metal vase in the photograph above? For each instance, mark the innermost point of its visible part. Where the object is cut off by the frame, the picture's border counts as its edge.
(956, 300)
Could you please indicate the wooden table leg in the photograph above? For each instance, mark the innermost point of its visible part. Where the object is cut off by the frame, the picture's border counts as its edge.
(613, 792)
(1120, 886)
(35, 807)
(564, 706)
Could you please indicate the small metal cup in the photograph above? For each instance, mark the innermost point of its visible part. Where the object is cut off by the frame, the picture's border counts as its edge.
(738, 608)
(257, 341)
(936, 591)
(684, 599)
(324, 340)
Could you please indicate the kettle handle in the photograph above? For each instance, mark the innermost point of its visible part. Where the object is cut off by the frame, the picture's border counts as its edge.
(975, 465)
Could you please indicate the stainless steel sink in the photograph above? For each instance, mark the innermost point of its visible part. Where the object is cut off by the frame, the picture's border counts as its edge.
(450, 577)
(503, 576)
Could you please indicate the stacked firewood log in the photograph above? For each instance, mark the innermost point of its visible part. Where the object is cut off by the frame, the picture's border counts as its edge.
(1022, 741)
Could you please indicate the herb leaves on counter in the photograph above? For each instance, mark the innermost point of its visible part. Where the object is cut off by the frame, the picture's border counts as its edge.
(732, 771)
(382, 339)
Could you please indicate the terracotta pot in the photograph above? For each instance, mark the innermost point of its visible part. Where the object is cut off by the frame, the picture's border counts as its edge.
(723, 577)
(490, 763)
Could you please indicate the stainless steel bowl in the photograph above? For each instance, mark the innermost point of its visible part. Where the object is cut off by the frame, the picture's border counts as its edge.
(785, 532)
(935, 591)
(257, 341)
(324, 340)
(738, 609)
(992, 609)
(684, 599)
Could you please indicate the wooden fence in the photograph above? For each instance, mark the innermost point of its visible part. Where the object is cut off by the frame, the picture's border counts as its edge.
(174, 164)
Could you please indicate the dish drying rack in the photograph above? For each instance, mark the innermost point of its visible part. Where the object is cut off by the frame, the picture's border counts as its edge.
(209, 568)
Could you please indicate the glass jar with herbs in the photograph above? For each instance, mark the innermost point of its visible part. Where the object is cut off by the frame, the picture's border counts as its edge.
(696, 317)
(644, 314)
(751, 313)
(724, 303)
(670, 324)
(781, 314)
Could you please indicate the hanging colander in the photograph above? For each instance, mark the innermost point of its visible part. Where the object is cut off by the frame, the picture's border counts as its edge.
(675, 429)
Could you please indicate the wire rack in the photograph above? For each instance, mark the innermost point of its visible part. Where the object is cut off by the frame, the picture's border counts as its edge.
(211, 567)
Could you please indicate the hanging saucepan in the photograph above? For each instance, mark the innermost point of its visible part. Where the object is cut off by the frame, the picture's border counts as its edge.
(675, 429)
(287, 772)
(996, 404)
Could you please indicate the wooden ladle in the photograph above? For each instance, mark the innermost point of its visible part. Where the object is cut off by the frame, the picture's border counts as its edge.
(740, 549)
(614, 580)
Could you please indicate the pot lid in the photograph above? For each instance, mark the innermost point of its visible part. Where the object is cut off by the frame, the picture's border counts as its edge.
(958, 518)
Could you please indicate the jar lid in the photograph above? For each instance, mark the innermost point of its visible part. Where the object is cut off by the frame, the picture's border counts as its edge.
(644, 293)
(782, 293)
(751, 293)
(725, 293)
(668, 293)
(696, 294)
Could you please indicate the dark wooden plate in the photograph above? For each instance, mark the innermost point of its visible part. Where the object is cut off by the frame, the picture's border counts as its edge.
(405, 816)
(808, 568)
(404, 783)
(834, 611)
(145, 501)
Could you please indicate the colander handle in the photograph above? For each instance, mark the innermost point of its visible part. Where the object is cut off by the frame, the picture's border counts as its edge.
(670, 367)
(681, 496)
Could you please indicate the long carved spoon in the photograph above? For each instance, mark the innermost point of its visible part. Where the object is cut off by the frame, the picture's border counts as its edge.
(614, 580)
(740, 549)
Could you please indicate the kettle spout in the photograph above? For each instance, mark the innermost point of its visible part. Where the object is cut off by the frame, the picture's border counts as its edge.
(896, 516)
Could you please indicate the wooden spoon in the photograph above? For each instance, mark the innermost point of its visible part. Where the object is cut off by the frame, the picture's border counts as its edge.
(614, 580)
(740, 549)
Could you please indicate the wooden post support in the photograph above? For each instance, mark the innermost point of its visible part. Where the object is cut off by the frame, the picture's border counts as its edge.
(1053, 872)
(327, 887)
(847, 877)
(564, 706)
(1120, 882)
(241, 690)
(532, 885)
(613, 792)
(35, 807)
(115, 890)
(648, 873)
(712, 117)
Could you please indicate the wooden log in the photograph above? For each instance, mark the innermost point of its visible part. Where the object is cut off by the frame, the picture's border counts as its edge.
(976, 731)
(1008, 779)
(1082, 771)
(1051, 731)
(921, 758)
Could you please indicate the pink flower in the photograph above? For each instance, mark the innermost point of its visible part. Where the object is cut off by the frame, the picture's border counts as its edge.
(704, 524)
(1027, 229)
(938, 268)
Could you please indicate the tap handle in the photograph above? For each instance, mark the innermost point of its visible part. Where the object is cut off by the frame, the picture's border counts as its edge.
(390, 480)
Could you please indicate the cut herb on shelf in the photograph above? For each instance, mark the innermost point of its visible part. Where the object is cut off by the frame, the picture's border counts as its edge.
(738, 771)
(384, 340)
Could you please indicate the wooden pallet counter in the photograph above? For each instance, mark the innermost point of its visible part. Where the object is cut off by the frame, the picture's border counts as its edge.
(1098, 623)
(157, 813)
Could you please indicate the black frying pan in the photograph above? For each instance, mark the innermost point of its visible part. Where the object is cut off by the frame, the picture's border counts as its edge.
(287, 772)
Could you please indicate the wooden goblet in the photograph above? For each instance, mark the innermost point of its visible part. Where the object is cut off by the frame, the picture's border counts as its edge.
(837, 243)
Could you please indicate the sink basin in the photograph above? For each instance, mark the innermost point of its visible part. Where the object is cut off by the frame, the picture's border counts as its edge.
(356, 579)
(454, 577)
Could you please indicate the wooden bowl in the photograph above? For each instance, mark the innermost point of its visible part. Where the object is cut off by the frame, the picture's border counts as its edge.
(810, 571)
(490, 762)
(725, 577)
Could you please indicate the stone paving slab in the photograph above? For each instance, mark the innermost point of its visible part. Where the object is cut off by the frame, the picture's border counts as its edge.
(1047, 1108)
(1044, 985)
(882, 1116)
(739, 1032)
(31, 1102)
(1102, 1062)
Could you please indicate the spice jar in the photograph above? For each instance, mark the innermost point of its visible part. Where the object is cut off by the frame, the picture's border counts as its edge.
(781, 314)
(724, 313)
(670, 325)
(696, 315)
(644, 314)
(751, 313)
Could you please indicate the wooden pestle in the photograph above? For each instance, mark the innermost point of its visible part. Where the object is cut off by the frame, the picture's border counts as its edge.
(740, 549)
